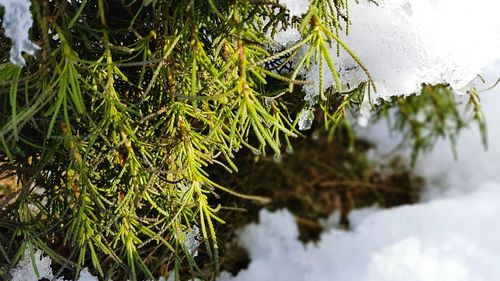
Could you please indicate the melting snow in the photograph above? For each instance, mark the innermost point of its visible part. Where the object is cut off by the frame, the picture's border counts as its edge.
(405, 43)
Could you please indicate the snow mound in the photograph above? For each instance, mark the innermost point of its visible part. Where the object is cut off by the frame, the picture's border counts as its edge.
(450, 239)
(405, 43)
(17, 21)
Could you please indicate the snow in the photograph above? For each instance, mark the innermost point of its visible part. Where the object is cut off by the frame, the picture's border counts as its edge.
(24, 270)
(405, 43)
(193, 239)
(296, 7)
(306, 117)
(448, 239)
(474, 164)
(450, 236)
(286, 38)
(17, 21)
(85, 275)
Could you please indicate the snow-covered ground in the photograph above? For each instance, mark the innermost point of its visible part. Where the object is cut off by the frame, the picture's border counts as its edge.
(454, 239)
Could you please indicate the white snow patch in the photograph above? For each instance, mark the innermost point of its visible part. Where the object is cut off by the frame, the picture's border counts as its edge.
(25, 271)
(449, 239)
(426, 262)
(286, 38)
(405, 43)
(17, 21)
(85, 275)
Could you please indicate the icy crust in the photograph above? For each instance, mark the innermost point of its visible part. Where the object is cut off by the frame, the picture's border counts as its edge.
(17, 21)
(451, 239)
